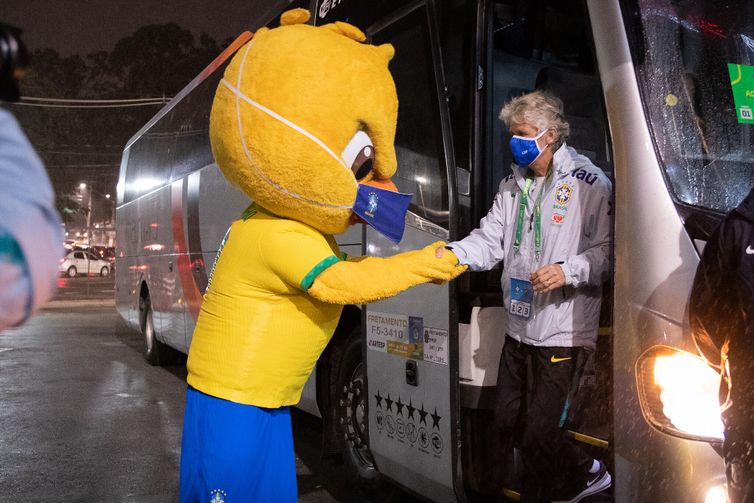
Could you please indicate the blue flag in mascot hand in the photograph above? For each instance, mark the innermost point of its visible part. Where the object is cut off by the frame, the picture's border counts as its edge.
(384, 210)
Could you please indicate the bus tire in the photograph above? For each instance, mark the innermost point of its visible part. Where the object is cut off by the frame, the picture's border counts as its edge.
(71, 272)
(154, 352)
(351, 404)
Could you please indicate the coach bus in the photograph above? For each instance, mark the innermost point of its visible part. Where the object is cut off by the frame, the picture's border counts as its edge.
(655, 92)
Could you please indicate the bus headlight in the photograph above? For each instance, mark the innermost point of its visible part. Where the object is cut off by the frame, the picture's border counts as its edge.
(678, 393)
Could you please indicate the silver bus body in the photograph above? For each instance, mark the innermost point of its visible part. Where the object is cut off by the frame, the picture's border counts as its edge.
(415, 405)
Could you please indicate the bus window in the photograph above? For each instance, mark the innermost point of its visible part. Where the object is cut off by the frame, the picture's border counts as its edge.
(457, 23)
(192, 148)
(687, 52)
(149, 161)
(418, 141)
(545, 45)
(531, 45)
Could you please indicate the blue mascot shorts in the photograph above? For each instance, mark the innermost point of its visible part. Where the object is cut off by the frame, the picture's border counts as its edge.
(236, 453)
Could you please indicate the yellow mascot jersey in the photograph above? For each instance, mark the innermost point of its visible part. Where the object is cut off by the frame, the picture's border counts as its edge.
(257, 338)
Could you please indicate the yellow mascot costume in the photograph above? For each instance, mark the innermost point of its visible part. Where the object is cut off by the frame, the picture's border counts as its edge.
(302, 122)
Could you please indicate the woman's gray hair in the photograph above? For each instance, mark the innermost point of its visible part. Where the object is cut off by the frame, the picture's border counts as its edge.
(539, 109)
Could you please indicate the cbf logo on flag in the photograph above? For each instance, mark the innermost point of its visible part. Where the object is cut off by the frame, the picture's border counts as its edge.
(384, 210)
(373, 198)
(218, 496)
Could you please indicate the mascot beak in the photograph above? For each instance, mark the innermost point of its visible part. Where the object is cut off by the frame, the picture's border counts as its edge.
(385, 183)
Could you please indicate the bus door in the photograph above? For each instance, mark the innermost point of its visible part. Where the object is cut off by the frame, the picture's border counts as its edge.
(409, 338)
(526, 45)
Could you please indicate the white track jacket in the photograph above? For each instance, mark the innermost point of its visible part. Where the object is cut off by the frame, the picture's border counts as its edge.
(575, 230)
(31, 237)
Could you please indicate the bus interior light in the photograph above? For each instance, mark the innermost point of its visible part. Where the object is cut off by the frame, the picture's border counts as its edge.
(678, 393)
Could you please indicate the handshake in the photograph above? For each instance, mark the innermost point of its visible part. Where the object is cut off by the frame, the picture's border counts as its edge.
(434, 262)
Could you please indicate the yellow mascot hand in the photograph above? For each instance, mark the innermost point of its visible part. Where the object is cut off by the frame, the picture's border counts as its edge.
(366, 279)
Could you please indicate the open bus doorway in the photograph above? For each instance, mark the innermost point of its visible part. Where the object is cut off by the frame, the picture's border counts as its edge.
(541, 45)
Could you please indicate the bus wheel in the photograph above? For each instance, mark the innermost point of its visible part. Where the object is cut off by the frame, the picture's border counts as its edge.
(71, 272)
(155, 352)
(352, 415)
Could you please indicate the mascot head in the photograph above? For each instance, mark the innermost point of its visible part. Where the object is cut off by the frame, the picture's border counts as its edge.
(304, 115)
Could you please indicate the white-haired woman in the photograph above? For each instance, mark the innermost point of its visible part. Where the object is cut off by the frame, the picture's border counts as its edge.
(550, 226)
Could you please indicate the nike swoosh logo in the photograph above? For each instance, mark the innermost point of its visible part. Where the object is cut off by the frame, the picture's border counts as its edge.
(749, 250)
(558, 360)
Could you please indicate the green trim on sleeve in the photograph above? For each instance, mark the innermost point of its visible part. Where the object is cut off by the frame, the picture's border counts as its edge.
(250, 211)
(306, 283)
(10, 250)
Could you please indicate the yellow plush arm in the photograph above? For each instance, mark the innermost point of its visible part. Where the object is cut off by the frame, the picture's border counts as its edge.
(367, 279)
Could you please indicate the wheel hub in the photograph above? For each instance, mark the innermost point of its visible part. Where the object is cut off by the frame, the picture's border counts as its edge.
(354, 416)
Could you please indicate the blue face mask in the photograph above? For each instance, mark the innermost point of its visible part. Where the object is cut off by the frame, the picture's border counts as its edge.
(526, 150)
(384, 210)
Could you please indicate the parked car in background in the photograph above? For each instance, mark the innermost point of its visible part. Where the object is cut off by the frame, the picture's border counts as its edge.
(105, 253)
(84, 262)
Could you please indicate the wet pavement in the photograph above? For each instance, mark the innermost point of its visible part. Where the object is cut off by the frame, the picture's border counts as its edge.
(84, 418)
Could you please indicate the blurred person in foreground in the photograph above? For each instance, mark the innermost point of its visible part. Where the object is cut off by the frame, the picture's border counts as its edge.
(30, 232)
(550, 225)
(722, 322)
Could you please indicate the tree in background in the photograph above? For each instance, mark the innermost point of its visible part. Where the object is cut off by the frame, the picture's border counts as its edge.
(86, 143)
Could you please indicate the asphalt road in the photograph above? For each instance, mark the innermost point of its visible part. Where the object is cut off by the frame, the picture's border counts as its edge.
(84, 418)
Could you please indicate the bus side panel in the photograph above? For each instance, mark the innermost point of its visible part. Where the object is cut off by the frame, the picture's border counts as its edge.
(156, 247)
(127, 273)
(410, 434)
(654, 266)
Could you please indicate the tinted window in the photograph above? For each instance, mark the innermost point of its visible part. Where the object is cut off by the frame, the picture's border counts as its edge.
(78, 255)
(692, 57)
(150, 159)
(191, 123)
(418, 141)
(457, 20)
(544, 45)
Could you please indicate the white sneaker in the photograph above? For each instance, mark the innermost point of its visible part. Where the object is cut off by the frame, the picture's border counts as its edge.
(591, 483)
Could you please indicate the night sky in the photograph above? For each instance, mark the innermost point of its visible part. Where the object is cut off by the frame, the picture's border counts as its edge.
(85, 26)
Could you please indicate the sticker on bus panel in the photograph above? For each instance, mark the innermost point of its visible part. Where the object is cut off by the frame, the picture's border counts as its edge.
(385, 330)
(742, 85)
(436, 345)
(407, 337)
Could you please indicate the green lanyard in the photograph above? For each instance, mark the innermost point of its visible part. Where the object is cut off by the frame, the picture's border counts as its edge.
(537, 216)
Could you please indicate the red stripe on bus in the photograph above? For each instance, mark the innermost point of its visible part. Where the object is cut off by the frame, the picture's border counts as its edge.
(188, 284)
(233, 47)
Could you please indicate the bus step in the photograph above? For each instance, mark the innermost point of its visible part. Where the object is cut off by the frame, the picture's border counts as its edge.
(588, 439)
(511, 494)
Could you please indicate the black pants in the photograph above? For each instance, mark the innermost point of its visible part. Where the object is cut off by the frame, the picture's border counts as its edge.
(534, 388)
(738, 418)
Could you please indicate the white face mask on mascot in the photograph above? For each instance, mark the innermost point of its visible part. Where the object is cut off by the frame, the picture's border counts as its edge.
(383, 209)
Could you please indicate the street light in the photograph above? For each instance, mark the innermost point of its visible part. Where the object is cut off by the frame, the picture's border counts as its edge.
(86, 192)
